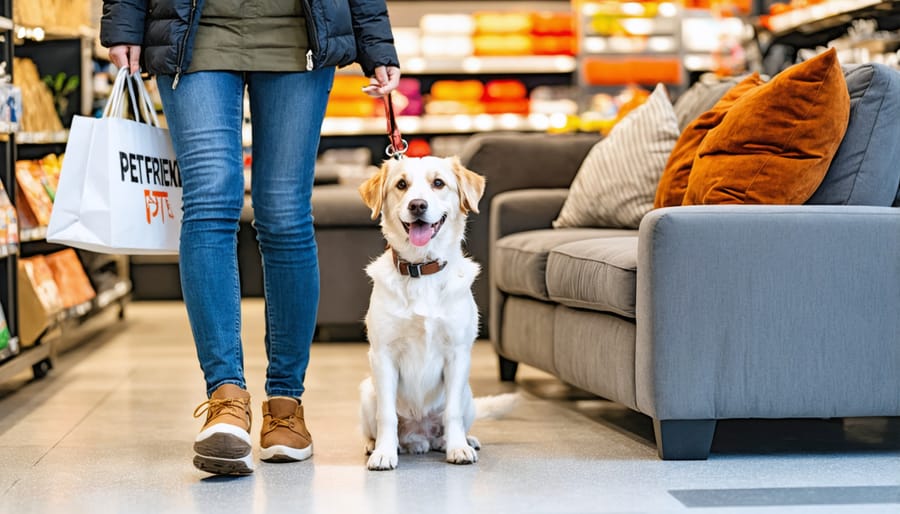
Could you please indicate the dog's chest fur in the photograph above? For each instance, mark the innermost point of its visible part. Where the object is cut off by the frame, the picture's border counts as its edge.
(420, 321)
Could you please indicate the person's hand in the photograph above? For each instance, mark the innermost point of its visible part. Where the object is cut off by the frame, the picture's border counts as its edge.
(126, 56)
(386, 79)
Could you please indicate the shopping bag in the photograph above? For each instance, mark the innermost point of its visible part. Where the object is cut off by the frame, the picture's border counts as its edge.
(120, 186)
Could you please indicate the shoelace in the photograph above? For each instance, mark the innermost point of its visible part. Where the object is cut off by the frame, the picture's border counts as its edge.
(214, 407)
(281, 422)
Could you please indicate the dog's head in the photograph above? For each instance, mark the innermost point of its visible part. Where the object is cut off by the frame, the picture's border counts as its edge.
(422, 200)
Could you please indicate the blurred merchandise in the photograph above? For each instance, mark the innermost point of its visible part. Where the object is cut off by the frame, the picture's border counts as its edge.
(9, 223)
(418, 148)
(10, 103)
(344, 166)
(71, 280)
(38, 298)
(41, 115)
(348, 99)
(53, 15)
(36, 191)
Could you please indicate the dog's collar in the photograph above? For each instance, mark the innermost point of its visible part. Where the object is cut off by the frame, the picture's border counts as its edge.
(416, 269)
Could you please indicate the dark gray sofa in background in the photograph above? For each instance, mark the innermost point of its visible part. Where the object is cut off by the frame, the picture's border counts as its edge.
(706, 312)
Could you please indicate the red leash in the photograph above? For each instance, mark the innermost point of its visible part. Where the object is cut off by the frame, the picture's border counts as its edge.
(397, 145)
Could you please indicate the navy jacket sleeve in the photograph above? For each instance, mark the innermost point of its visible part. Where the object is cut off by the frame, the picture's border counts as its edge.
(374, 39)
(122, 22)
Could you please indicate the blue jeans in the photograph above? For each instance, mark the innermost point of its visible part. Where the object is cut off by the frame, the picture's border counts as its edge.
(205, 115)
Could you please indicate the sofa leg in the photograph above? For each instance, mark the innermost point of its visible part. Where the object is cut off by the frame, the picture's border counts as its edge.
(508, 369)
(684, 439)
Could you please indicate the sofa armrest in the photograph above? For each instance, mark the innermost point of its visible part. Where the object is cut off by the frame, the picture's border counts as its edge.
(768, 311)
(526, 209)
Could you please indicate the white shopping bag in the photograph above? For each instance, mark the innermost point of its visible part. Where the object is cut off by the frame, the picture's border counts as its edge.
(120, 186)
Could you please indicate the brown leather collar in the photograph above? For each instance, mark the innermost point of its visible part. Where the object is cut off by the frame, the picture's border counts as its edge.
(417, 269)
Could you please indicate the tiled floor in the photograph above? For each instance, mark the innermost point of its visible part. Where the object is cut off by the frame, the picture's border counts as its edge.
(110, 430)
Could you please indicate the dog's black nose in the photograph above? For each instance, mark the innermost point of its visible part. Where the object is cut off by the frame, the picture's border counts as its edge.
(417, 207)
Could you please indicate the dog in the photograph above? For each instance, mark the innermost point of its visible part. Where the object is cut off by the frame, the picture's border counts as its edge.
(422, 319)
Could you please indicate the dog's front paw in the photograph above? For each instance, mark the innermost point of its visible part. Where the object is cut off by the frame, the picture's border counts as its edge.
(370, 446)
(382, 461)
(462, 455)
(473, 442)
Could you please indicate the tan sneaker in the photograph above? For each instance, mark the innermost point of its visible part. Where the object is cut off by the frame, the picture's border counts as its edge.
(223, 446)
(284, 437)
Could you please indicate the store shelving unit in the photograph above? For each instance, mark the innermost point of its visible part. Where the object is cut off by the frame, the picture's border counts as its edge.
(54, 50)
(13, 358)
(817, 24)
(628, 43)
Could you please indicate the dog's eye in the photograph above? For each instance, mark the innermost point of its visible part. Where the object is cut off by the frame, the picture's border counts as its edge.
(401, 185)
(438, 183)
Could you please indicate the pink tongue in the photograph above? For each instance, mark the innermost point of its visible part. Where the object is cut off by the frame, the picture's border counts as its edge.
(419, 234)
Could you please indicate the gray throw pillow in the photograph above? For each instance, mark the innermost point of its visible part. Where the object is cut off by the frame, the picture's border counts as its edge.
(616, 183)
(701, 97)
(866, 168)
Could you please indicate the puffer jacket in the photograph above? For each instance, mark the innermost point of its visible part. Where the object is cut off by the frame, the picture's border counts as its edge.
(340, 31)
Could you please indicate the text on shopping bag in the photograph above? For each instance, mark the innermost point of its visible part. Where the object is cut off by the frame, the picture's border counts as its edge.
(156, 204)
(150, 170)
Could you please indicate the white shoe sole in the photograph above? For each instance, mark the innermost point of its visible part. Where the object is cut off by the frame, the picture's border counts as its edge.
(223, 441)
(281, 453)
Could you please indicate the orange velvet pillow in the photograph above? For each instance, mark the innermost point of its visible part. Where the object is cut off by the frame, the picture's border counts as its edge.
(674, 180)
(775, 144)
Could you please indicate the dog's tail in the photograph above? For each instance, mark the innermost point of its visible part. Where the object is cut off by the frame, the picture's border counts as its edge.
(497, 406)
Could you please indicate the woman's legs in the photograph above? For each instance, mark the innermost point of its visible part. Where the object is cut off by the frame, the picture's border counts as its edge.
(287, 111)
(204, 115)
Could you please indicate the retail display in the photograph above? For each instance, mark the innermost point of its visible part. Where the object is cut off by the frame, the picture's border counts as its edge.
(53, 15)
(9, 225)
(45, 38)
(4, 336)
(40, 114)
(40, 278)
(10, 103)
(71, 280)
(37, 191)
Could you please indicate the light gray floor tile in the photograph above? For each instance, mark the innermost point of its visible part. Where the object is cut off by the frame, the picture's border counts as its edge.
(110, 430)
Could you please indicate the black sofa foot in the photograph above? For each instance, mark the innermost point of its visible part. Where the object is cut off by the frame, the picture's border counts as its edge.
(684, 439)
(508, 369)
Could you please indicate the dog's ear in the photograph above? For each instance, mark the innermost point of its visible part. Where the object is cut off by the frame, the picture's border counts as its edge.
(471, 186)
(373, 190)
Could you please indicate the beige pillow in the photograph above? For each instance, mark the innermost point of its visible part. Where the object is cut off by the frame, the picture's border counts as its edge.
(616, 183)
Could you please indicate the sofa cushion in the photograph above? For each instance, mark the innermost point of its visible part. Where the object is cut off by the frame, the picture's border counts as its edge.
(595, 275)
(519, 261)
(864, 170)
(674, 180)
(617, 181)
(775, 144)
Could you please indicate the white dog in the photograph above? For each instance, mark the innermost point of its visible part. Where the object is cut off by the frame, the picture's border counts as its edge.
(422, 318)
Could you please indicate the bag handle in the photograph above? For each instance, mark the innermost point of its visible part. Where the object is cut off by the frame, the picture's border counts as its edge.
(143, 103)
(139, 98)
(113, 107)
(147, 103)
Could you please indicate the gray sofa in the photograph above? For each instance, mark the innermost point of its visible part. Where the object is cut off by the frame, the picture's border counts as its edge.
(706, 312)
